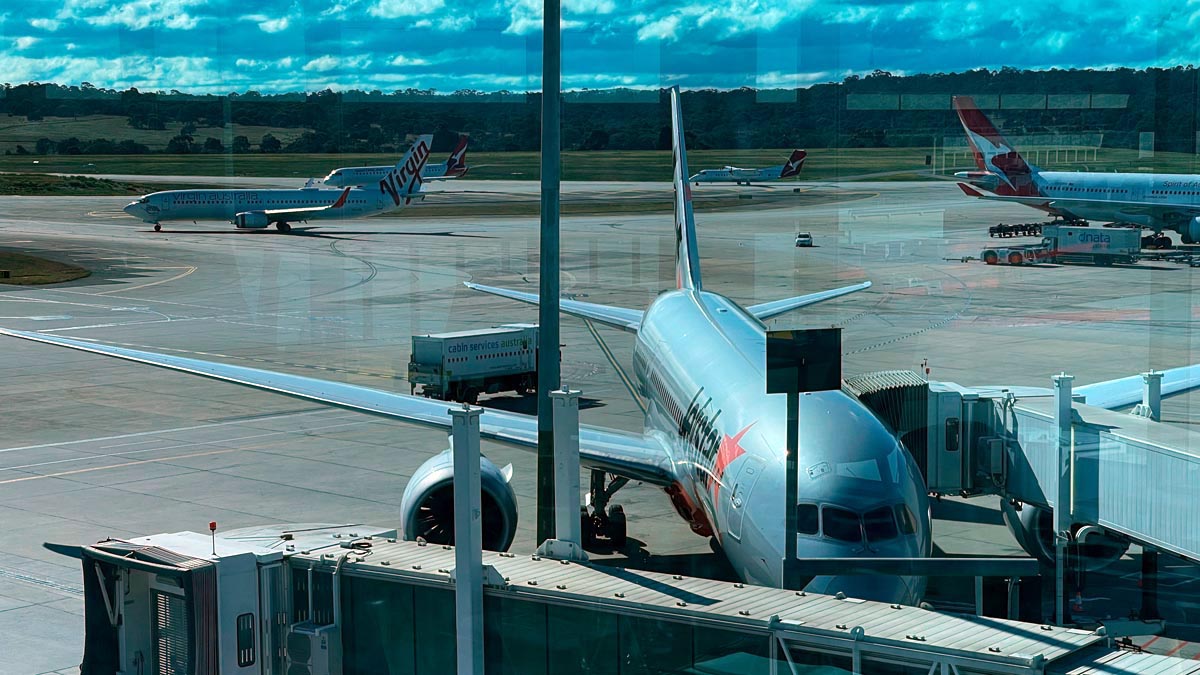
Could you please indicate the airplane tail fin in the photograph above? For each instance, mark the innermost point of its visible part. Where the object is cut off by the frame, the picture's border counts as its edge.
(687, 258)
(404, 180)
(794, 164)
(456, 164)
(993, 153)
(341, 200)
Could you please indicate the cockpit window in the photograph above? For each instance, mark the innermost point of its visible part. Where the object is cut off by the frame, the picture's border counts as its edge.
(880, 524)
(908, 524)
(807, 520)
(840, 524)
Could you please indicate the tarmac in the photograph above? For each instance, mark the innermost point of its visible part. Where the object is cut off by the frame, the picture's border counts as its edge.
(95, 448)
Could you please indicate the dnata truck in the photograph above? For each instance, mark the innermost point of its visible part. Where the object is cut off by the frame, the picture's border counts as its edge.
(460, 366)
(1072, 244)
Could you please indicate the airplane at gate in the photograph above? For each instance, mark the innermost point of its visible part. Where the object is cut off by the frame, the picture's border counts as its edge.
(258, 209)
(713, 439)
(1154, 200)
(733, 174)
(455, 166)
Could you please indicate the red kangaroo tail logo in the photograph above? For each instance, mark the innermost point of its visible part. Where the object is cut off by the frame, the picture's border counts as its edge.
(457, 164)
(993, 153)
(402, 183)
(341, 201)
(794, 164)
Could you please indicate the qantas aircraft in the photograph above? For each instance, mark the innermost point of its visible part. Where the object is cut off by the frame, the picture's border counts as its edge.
(1155, 200)
(259, 208)
(713, 438)
(732, 174)
(455, 166)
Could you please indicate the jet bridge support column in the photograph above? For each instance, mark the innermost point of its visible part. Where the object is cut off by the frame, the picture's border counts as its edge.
(1152, 395)
(1149, 583)
(1062, 500)
(468, 541)
(566, 544)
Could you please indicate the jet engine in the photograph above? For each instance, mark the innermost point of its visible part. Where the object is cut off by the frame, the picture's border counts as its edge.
(252, 219)
(1191, 231)
(1033, 528)
(427, 507)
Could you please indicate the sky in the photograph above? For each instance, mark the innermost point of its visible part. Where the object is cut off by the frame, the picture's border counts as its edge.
(273, 46)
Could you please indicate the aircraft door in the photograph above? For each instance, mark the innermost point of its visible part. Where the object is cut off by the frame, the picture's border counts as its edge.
(743, 484)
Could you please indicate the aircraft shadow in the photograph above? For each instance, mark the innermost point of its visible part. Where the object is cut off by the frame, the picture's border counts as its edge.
(527, 405)
(312, 232)
(707, 565)
(964, 512)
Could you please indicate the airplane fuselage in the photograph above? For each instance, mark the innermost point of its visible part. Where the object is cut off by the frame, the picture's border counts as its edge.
(225, 204)
(699, 362)
(732, 174)
(369, 175)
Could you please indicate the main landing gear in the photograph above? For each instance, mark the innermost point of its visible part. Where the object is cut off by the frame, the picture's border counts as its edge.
(157, 227)
(283, 227)
(598, 519)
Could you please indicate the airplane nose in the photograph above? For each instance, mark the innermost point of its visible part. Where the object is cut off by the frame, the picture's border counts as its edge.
(878, 587)
(134, 209)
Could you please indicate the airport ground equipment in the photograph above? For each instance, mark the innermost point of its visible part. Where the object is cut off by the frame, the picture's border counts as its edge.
(461, 365)
(1072, 244)
(353, 601)
(1016, 230)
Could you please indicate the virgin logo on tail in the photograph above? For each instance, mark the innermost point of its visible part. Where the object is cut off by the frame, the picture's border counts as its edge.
(401, 184)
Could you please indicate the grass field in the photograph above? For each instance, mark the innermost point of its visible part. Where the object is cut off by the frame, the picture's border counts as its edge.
(33, 184)
(27, 270)
(16, 130)
(823, 163)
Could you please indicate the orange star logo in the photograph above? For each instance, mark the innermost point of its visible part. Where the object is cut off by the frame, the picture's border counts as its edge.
(729, 450)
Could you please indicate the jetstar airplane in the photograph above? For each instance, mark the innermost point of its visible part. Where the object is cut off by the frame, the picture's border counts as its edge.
(257, 209)
(713, 439)
(455, 166)
(732, 174)
(1155, 200)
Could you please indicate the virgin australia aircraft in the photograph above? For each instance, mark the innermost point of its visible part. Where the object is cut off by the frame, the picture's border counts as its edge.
(1155, 200)
(713, 438)
(733, 174)
(455, 166)
(257, 209)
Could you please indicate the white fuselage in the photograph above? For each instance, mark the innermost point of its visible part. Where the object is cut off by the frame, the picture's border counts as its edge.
(732, 174)
(353, 176)
(699, 362)
(225, 204)
(1150, 188)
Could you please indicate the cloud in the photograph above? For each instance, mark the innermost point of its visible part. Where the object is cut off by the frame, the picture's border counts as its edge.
(25, 42)
(134, 15)
(402, 60)
(666, 28)
(324, 64)
(45, 24)
(391, 9)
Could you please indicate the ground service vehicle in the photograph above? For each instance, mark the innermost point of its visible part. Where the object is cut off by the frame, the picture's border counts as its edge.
(460, 366)
(1072, 244)
(803, 239)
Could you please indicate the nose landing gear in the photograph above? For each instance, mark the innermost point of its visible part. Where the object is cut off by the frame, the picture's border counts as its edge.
(598, 519)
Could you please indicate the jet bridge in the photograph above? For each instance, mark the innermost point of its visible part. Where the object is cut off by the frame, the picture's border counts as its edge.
(1123, 477)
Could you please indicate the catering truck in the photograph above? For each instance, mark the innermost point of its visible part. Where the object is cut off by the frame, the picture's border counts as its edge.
(460, 366)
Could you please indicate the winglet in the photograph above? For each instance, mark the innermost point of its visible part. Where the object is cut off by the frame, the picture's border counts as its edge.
(687, 258)
(341, 201)
(970, 191)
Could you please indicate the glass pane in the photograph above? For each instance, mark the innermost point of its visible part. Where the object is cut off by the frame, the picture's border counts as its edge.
(807, 519)
(880, 524)
(905, 517)
(841, 524)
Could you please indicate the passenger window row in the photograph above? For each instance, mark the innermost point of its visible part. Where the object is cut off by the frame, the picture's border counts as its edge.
(834, 522)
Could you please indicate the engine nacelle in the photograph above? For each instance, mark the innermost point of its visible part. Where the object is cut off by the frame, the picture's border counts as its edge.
(251, 219)
(1033, 528)
(1190, 231)
(427, 508)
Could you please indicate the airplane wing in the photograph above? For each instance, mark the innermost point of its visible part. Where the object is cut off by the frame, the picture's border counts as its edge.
(636, 456)
(1159, 211)
(618, 317)
(307, 211)
(767, 310)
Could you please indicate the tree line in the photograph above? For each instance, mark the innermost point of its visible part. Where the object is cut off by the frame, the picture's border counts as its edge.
(875, 110)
